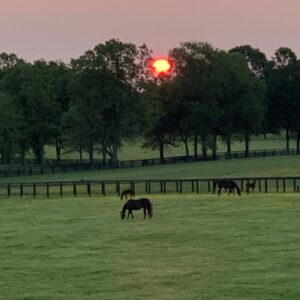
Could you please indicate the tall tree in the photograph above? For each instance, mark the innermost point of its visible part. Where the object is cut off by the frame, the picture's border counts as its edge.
(281, 95)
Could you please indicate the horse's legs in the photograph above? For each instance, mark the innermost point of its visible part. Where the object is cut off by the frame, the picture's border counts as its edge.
(131, 214)
(219, 191)
(128, 214)
(145, 213)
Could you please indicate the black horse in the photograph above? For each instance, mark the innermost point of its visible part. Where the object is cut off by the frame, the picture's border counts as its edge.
(129, 192)
(131, 205)
(226, 184)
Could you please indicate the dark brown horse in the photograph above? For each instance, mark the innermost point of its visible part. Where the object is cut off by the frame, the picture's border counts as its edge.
(250, 185)
(126, 193)
(142, 203)
(226, 184)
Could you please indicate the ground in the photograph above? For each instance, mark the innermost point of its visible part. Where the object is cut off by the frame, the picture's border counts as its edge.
(195, 247)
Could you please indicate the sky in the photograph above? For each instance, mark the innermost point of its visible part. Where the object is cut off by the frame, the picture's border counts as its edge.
(65, 29)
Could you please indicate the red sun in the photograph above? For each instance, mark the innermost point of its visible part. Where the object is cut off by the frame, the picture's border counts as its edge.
(161, 66)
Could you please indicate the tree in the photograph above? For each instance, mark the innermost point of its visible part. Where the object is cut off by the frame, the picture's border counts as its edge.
(30, 86)
(256, 59)
(281, 91)
(11, 128)
(121, 68)
(192, 63)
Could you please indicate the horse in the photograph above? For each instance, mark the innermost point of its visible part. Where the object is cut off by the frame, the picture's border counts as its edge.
(250, 185)
(131, 205)
(226, 184)
(129, 192)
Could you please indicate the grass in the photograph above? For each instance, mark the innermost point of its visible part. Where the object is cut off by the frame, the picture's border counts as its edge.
(195, 247)
(265, 166)
(131, 150)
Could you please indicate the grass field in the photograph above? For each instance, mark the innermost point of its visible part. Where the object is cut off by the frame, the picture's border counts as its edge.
(134, 150)
(265, 166)
(195, 247)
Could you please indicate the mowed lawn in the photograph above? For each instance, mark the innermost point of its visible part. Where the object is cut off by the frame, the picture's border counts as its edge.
(195, 247)
(246, 167)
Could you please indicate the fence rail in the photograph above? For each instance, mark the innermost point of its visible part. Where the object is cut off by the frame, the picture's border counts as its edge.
(142, 186)
(51, 166)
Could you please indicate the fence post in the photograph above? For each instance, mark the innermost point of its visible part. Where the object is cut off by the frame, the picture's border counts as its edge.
(103, 188)
(294, 183)
(193, 187)
(277, 185)
(259, 185)
(180, 186)
(21, 189)
(197, 186)
(266, 185)
(161, 186)
(8, 190)
(149, 187)
(74, 189)
(146, 187)
(34, 190)
(118, 188)
(61, 189)
(88, 187)
(47, 186)
(283, 181)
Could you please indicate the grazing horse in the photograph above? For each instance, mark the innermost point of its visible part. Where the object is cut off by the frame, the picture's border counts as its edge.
(250, 185)
(226, 184)
(129, 192)
(131, 205)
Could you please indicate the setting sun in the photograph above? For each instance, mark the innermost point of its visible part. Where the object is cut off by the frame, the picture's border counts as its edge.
(161, 66)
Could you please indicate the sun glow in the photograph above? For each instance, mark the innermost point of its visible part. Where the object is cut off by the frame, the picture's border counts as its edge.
(161, 66)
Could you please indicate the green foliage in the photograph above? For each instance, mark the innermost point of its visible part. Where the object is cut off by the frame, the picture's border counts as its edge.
(12, 131)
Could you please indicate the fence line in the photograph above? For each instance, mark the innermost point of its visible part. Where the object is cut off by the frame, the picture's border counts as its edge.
(143, 186)
(74, 166)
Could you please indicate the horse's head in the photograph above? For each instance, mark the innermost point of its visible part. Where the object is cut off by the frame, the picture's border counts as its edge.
(122, 215)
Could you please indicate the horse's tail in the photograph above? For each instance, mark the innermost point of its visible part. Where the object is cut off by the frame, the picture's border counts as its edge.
(237, 188)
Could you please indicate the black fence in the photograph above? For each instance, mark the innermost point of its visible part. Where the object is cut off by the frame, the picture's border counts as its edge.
(51, 166)
(142, 187)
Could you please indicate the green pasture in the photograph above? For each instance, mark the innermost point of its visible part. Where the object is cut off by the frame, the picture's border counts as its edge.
(264, 166)
(134, 150)
(195, 247)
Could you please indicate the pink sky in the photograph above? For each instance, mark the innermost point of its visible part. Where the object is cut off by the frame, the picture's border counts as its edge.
(64, 29)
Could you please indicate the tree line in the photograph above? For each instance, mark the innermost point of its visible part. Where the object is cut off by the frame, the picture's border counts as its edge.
(108, 96)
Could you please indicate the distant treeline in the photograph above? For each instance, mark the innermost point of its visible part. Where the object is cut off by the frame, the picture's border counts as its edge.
(108, 96)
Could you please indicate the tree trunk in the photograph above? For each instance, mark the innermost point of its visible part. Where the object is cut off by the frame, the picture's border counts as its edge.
(228, 143)
(204, 147)
(214, 147)
(38, 149)
(247, 142)
(80, 153)
(298, 141)
(186, 145)
(58, 145)
(196, 147)
(114, 157)
(287, 139)
(91, 153)
(161, 153)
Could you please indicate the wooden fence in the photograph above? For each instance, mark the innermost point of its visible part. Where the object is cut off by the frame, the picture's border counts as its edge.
(142, 187)
(51, 166)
